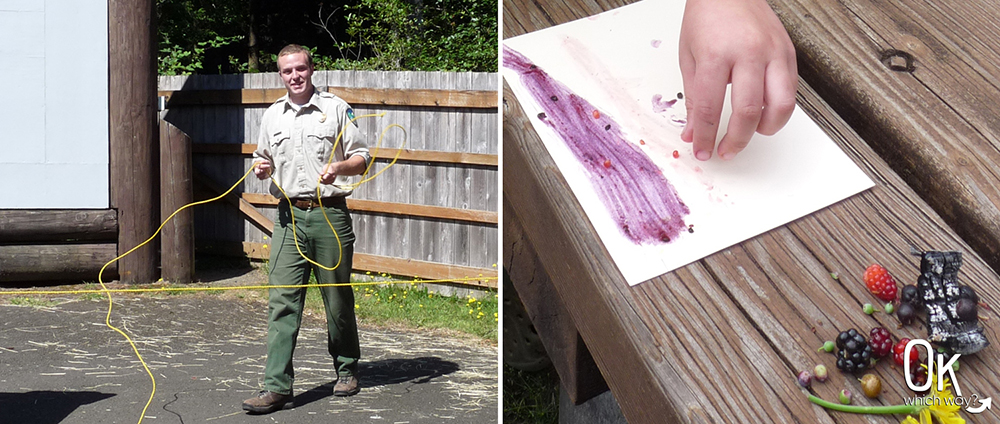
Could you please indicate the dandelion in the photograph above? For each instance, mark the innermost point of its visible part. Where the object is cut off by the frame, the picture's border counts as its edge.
(356, 306)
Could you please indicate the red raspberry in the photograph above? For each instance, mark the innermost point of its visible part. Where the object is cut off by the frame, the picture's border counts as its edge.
(900, 348)
(880, 283)
(881, 342)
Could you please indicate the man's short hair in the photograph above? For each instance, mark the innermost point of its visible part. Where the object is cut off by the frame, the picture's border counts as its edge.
(295, 48)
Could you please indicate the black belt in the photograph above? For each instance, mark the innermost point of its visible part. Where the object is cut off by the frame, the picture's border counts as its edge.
(313, 203)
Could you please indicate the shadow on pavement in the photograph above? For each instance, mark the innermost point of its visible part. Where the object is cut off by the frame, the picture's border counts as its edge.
(385, 372)
(44, 407)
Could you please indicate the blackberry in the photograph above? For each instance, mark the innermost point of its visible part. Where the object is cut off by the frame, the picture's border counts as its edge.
(881, 342)
(853, 354)
(908, 294)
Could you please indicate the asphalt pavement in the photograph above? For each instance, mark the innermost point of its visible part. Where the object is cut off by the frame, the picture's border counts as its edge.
(60, 363)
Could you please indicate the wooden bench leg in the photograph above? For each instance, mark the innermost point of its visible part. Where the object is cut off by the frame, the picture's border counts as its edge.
(578, 373)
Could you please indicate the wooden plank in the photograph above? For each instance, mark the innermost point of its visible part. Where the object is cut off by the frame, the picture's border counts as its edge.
(251, 213)
(132, 115)
(578, 373)
(57, 262)
(479, 277)
(394, 208)
(912, 78)
(477, 99)
(54, 225)
(403, 154)
(176, 188)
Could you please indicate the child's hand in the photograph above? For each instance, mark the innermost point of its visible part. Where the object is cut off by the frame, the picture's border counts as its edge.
(740, 42)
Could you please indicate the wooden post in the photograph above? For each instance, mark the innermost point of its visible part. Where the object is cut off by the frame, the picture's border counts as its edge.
(176, 189)
(132, 115)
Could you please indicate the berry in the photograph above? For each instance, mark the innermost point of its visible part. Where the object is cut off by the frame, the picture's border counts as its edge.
(900, 348)
(845, 397)
(966, 310)
(827, 347)
(967, 292)
(607, 163)
(908, 294)
(868, 309)
(805, 379)
(820, 373)
(676, 154)
(906, 313)
(880, 341)
(880, 283)
(871, 385)
(854, 354)
(918, 374)
(889, 308)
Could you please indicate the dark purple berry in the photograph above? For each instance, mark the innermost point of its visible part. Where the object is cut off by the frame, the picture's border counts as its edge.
(909, 293)
(967, 292)
(967, 310)
(906, 313)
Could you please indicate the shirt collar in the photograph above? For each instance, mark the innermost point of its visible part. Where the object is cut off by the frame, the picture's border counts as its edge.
(313, 102)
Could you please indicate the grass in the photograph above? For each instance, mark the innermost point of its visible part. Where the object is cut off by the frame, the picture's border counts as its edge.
(530, 397)
(411, 305)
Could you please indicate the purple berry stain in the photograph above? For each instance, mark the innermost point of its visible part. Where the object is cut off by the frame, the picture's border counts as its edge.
(644, 205)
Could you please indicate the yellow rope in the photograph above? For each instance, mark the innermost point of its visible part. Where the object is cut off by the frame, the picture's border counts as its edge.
(105, 290)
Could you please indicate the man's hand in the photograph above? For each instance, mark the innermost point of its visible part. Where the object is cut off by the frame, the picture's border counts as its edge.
(740, 42)
(262, 169)
(329, 173)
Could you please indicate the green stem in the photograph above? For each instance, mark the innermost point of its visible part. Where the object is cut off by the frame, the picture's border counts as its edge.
(895, 409)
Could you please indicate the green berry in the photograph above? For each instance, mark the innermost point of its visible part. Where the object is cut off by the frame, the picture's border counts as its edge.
(954, 366)
(868, 308)
(820, 373)
(889, 308)
(827, 347)
(845, 397)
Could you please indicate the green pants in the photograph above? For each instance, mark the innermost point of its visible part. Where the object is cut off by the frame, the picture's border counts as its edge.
(285, 305)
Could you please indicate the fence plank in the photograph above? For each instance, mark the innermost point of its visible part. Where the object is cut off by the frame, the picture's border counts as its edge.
(353, 95)
(59, 262)
(395, 208)
(363, 262)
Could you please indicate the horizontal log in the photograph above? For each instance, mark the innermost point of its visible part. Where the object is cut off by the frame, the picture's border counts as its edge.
(44, 226)
(393, 208)
(478, 99)
(461, 158)
(57, 262)
(363, 262)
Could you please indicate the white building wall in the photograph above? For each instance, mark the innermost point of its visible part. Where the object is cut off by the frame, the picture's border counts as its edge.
(54, 104)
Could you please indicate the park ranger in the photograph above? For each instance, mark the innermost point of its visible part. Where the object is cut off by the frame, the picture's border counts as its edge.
(298, 134)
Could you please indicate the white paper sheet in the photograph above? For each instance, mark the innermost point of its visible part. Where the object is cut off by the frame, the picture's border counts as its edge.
(624, 62)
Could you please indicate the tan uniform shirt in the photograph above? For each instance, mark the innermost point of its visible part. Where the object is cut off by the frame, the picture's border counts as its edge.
(298, 140)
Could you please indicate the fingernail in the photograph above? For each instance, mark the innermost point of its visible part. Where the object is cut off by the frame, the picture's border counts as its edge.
(703, 155)
(728, 156)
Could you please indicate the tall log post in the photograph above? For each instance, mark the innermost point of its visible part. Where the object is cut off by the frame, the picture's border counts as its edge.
(177, 190)
(132, 114)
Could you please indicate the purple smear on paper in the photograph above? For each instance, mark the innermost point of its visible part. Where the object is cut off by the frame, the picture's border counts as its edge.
(655, 43)
(660, 106)
(642, 202)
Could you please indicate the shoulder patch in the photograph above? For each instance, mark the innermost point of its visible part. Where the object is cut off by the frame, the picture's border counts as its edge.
(350, 115)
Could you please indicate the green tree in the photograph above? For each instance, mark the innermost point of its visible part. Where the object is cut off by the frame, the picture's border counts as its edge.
(227, 36)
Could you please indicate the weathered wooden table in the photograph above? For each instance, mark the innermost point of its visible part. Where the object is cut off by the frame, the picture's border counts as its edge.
(909, 90)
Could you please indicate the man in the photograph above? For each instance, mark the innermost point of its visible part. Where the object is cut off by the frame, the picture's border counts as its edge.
(297, 137)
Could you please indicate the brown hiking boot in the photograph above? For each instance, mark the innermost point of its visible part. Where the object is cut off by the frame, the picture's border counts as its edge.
(267, 402)
(347, 385)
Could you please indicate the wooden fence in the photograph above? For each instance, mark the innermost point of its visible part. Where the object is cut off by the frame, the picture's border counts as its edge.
(432, 215)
